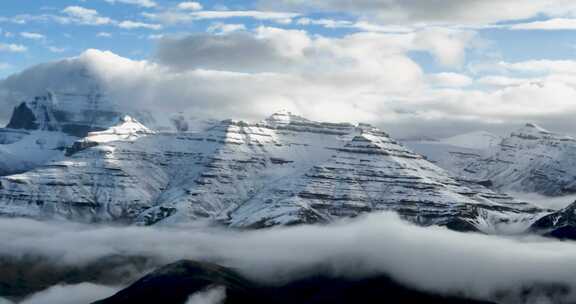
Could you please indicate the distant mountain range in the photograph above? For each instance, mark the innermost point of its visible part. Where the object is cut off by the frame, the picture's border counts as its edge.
(530, 159)
(73, 156)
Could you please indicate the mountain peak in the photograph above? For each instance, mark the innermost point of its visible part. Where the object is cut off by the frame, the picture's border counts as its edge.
(284, 117)
(535, 127)
(128, 128)
(532, 131)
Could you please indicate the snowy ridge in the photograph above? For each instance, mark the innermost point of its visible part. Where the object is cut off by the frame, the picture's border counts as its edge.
(529, 160)
(284, 170)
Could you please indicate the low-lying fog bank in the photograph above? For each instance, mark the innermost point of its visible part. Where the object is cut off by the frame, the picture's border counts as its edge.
(433, 259)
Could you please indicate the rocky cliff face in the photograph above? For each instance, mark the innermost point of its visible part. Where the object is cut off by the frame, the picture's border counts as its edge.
(284, 170)
(560, 224)
(72, 113)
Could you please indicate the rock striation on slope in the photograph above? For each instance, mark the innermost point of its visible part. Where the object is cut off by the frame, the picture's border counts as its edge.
(531, 159)
(284, 170)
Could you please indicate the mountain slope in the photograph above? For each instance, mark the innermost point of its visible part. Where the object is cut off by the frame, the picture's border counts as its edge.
(284, 170)
(531, 159)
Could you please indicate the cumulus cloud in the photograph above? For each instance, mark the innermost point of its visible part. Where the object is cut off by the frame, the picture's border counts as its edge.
(249, 74)
(474, 265)
(233, 52)
(361, 77)
(70, 294)
(366, 77)
(85, 16)
(504, 81)
(453, 80)
(540, 66)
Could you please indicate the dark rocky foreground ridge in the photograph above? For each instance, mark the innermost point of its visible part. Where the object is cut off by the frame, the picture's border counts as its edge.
(560, 224)
(175, 283)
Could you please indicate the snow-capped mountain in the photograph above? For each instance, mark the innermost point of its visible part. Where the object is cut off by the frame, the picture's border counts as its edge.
(283, 170)
(530, 159)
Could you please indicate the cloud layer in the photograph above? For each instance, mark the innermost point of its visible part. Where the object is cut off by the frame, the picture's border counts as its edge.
(235, 72)
(433, 259)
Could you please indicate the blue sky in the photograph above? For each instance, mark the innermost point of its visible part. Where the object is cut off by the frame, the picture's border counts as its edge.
(475, 63)
(64, 40)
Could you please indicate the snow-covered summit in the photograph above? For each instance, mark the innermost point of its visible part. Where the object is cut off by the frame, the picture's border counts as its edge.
(284, 117)
(285, 170)
(127, 129)
(534, 132)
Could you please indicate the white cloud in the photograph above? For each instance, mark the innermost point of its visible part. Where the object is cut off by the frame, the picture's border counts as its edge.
(540, 66)
(365, 77)
(474, 265)
(156, 36)
(214, 295)
(70, 294)
(448, 45)
(453, 80)
(249, 74)
(550, 24)
(360, 25)
(55, 49)
(104, 34)
(142, 3)
(190, 5)
(235, 14)
(225, 28)
(13, 48)
(129, 25)
(172, 17)
(502, 81)
(33, 36)
(81, 15)
(440, 12)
